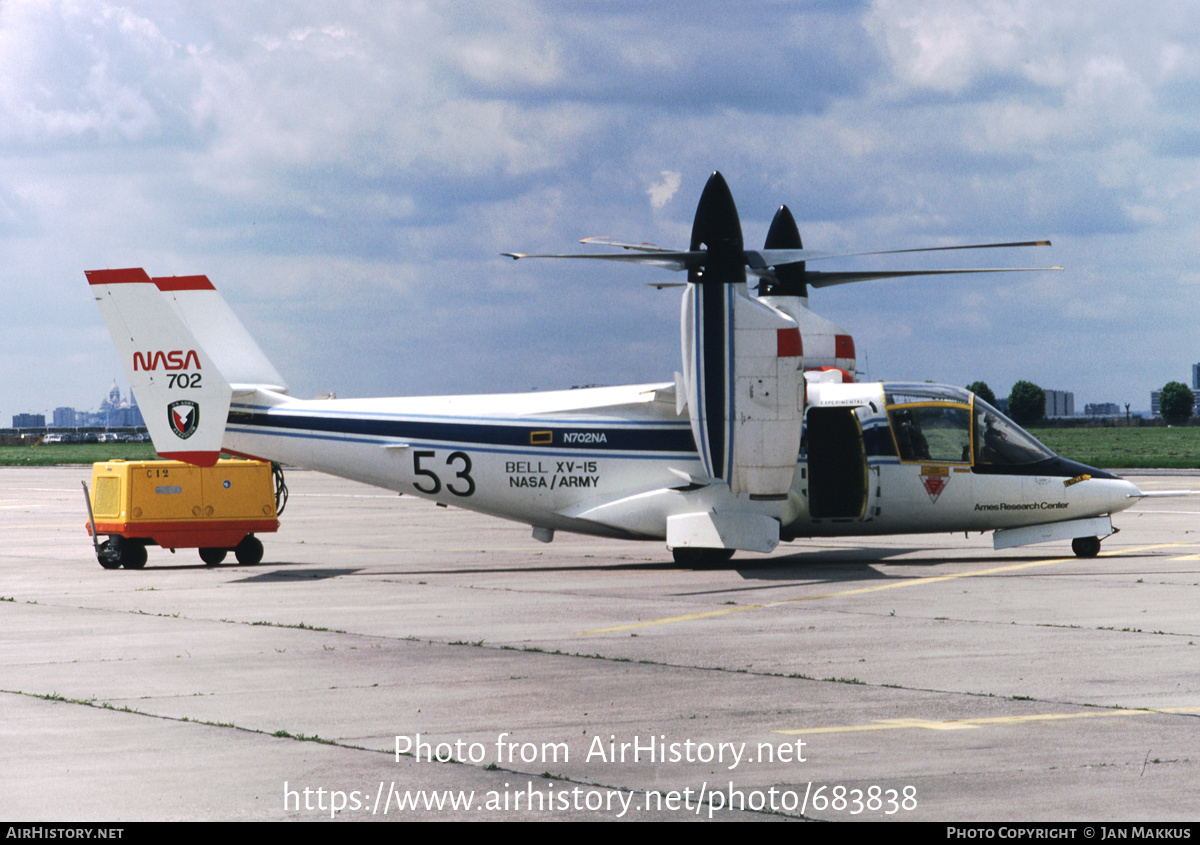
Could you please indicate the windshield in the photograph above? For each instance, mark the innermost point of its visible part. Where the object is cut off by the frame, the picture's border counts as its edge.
(951, 425)
(1000, 441)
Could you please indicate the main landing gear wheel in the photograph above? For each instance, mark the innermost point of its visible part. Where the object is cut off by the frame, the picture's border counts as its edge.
(212, 557)
(697, 558)
(1086, 546)
(249, 551)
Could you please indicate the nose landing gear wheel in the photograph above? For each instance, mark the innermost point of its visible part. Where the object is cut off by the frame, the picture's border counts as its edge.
(1086, 546)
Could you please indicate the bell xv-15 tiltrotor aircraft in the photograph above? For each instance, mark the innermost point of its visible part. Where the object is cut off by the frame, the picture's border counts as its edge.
(763, 437)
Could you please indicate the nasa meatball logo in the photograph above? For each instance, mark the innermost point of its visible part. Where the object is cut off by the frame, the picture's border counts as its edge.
(184, 417)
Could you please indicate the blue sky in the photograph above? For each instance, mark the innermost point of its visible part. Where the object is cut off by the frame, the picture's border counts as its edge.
(347, 174)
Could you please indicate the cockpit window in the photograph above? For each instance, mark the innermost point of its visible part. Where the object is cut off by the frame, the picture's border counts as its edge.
(930, 432)
(1000, 441)
(945, 424)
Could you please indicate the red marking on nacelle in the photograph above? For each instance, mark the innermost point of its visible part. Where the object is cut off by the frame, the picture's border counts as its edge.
(176, 359)
(843, 346)
(846, 377)
(788, 343)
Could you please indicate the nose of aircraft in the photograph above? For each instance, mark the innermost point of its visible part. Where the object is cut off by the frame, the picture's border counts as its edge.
(1103, 492)
(1118, 494)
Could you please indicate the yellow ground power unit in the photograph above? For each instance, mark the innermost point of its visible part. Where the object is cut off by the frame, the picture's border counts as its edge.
(177, 505)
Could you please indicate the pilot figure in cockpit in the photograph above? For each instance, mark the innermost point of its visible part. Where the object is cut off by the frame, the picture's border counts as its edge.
(909, 439)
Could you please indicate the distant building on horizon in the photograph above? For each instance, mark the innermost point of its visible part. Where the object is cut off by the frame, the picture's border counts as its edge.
(116, 411)
(1156, 410)
(1060, 403)
(1102, 409)
(119, 412)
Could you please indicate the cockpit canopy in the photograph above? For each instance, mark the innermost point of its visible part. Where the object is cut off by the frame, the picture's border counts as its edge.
(932, 422)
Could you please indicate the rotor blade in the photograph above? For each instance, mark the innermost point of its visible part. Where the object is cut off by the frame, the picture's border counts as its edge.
(963, 246)
(759, 261)
(756, 260)
(604, 241)
(776, 257)
(666, 259)
(823, 280)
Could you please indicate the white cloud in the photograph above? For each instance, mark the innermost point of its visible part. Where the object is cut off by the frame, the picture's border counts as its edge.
(946, 45)
(662, 192)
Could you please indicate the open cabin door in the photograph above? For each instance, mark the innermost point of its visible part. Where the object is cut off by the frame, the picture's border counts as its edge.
(837, 464)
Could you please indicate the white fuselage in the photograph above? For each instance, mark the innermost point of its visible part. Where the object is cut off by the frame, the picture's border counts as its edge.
(619, 461)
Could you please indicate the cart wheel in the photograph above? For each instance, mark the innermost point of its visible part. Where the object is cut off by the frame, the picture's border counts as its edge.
(212, 557)
(249, 551)
(133, 555)
(106, 557)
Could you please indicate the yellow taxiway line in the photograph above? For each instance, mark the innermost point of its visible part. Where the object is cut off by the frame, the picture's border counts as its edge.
(965, 724)
(909, 582)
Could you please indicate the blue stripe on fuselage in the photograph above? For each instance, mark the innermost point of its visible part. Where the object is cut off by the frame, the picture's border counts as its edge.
(602, 436)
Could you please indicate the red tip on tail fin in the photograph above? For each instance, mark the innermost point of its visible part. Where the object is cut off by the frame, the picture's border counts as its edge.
(174, 283)
(130, 275)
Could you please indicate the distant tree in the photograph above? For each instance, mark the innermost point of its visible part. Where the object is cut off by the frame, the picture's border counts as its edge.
(1026, 403)
(980, 389)
(1175, 402)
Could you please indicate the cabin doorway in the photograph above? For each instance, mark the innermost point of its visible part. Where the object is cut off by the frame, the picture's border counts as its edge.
(837, 464)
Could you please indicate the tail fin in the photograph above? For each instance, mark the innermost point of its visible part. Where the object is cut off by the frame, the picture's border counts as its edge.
(217, 329)
(183, 395)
